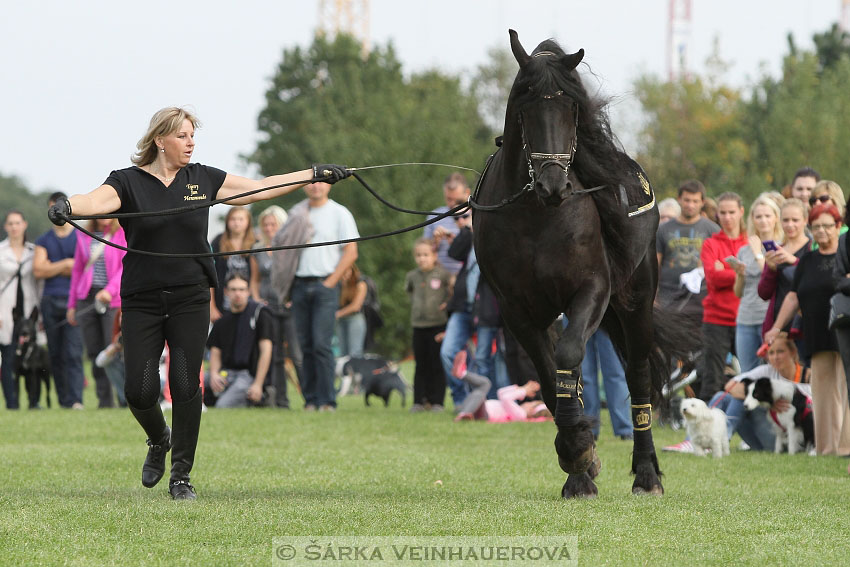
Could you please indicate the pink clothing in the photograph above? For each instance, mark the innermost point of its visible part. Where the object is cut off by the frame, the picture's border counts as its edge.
(81, 277)
(506, 407)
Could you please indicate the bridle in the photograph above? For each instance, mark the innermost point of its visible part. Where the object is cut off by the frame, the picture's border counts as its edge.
(560, 160)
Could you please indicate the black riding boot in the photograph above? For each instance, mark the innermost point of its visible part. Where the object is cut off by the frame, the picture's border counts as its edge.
(159, 443)
(186, 418)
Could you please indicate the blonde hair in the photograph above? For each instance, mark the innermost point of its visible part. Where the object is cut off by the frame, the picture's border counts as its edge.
(764, 200)
(163, 123)
(275, 211)
(834, 191)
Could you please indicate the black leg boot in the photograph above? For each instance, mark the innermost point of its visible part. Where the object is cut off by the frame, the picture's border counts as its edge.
(186, 418)
(159, 443)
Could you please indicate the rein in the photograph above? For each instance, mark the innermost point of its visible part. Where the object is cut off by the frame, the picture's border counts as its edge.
(453, 211)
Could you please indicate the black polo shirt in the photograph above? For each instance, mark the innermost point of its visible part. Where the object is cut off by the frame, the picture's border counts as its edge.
(185, 233)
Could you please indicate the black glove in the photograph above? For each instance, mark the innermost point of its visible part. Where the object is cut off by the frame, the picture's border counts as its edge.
(59, 211)
(330, 172)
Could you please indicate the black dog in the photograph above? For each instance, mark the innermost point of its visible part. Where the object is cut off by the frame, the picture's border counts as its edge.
(32, 363)
(371, 374)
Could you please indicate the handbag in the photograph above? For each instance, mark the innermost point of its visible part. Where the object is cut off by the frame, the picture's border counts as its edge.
(839, 311)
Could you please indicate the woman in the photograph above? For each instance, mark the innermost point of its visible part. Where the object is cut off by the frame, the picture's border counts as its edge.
(270, 222)
(166, 299)
(18, 297)
(93, 298)
(827, 191)
(779, 264)
(810, 293)
(350, 321)
(762, 224)
(754, 425)
(720, 306)
(238, 235)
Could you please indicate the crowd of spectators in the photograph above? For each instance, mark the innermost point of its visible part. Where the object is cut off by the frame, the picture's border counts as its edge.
(764, 290)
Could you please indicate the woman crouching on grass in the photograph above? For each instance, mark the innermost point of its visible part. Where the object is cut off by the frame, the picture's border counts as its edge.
(166, 299)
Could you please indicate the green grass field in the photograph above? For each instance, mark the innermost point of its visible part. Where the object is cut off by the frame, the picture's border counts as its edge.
(70, 491)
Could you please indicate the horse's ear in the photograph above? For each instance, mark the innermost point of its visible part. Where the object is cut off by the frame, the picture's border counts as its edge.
(572, 61)
(519, 51)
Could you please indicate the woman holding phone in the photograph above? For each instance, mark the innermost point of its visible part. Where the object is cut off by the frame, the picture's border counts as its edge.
(779, 264)
(762, 225)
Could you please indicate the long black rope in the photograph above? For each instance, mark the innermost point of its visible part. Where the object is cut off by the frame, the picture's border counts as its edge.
(453, 211)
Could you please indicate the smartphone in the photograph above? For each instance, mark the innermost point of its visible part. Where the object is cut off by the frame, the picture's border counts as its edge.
(732, 261)
(769, 245)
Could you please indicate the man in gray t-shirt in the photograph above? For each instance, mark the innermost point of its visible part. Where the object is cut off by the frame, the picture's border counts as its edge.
(678, 243)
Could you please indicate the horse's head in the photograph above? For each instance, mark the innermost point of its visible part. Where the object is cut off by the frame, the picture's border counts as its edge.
(548, 116)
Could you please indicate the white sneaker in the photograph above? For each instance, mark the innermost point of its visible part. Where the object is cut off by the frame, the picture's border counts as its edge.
(683, 447)
(743, 446)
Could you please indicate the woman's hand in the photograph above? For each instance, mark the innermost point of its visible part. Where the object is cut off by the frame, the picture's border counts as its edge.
(784, 257)
(772, 258)
(103, 296)
(771, 335)
(71, 315)
(780, 406)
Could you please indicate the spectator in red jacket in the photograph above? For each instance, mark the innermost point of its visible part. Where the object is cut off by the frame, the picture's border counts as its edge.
(720, 306)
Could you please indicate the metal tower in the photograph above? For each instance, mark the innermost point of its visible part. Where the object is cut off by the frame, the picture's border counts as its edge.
(678, 38)
(347, 16)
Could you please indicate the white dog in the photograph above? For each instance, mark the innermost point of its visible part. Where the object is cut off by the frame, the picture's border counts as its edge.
(706, 427)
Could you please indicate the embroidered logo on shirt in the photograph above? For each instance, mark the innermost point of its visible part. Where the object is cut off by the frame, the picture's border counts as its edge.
(193, 193)
(435, 283)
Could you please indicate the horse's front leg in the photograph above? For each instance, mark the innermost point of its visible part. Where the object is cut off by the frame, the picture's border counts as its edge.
(638, 335)
(574, 442)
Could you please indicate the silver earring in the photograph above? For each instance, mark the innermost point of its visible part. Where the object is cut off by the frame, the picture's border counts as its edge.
(162, 150)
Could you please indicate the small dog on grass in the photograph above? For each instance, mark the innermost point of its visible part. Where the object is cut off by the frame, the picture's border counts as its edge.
(371, 374)
(794, 427)
(706, 427)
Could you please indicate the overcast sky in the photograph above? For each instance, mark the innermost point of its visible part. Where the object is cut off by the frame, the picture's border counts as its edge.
(80, 80)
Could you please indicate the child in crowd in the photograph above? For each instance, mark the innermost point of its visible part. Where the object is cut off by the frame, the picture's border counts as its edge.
(429, 288)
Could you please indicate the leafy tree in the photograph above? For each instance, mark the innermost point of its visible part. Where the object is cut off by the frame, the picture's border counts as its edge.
(15, 195)
(492, 85)
(328, 103)
(802, 117)
(693, 130)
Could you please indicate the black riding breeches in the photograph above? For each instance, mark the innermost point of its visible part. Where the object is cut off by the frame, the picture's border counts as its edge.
(177, 316)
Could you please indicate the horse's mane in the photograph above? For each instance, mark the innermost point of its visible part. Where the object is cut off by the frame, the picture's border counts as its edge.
(599, 159)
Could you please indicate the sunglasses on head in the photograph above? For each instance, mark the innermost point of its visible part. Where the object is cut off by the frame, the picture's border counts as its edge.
(822, 198)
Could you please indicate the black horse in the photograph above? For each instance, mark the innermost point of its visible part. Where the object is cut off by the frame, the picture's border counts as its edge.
(565, 223)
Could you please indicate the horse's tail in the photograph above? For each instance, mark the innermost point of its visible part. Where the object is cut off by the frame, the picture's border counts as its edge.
(676, 336)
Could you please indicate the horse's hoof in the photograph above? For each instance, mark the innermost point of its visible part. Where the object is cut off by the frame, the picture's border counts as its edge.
(657, 490)
(579, 486)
